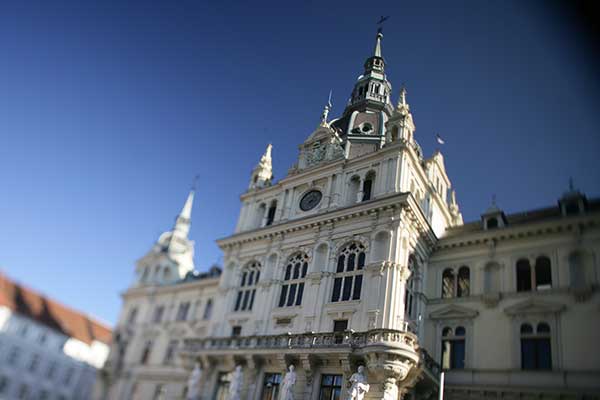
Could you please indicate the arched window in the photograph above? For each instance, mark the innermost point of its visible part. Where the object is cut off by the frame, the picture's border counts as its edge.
(536, 352)
(247, 289)
(453, 348)
(523, 275)
(166, 274)
(368, 186)
(347, 283)
(463, 288)
(293, 280)
(543, 273)
(448, 283)
(271, 213)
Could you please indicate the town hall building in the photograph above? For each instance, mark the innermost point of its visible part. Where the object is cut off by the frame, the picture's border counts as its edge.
(357, 270)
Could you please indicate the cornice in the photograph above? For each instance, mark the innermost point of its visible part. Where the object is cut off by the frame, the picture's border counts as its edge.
(522, 231)
(402, 201)
(144, 291)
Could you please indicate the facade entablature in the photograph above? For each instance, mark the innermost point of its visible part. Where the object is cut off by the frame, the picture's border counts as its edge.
(394, 201)
(573, 225)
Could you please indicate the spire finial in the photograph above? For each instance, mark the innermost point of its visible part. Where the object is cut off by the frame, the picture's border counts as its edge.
(494, 200)
(195, 182)
(377, 52)
(403, 94)
(571, 184)
(326, 110)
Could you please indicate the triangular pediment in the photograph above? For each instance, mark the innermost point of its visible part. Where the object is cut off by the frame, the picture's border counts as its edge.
(534, 306)
(454, 312)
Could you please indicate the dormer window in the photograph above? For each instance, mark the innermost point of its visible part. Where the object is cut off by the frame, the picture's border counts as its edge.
(572, 202)
(493, 217)
(492, 223)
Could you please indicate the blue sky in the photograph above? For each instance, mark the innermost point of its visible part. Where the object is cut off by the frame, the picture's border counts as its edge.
(109, 109)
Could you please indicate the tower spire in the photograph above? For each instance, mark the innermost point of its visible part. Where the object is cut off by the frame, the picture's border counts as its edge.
(184, 219)
(263, 172)
(377, 52)
(326, 111)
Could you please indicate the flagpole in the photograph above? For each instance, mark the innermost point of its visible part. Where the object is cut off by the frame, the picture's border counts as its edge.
(441, 394)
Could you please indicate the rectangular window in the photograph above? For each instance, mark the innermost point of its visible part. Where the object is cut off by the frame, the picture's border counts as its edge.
(271, 386)
(170, 353)
(13, 356)
(536, 353)
(246, 298)
(331, 387)
(236, 331)
(347, 288)
(158, 314)
(183, 310)
(282, 298)
(292, 295)
(340, 325)
(300, 293)
(357, 287)
(337, 286)
(238, 301)
(252, 299)
(207, 310)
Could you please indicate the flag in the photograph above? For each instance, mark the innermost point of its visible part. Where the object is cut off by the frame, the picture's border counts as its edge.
(439, 139)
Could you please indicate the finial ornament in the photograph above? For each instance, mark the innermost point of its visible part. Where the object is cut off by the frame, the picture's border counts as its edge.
(494, 200)
(403, 95)
(326, 111)
(195, 182)
(571, 184)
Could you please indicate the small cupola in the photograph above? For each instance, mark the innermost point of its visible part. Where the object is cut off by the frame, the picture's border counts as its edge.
(572, 202)
(493, 217)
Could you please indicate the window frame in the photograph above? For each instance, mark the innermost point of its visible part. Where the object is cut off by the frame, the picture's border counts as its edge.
(249, 277)
(300, 262)
(347, 282)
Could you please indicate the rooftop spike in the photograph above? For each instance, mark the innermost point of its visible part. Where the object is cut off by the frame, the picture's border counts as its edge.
(377, 52)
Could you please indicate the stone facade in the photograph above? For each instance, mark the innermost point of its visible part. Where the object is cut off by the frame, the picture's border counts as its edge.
(359, 256)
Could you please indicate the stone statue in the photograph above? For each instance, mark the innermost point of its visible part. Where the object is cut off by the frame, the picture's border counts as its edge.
(194, 383)
(235, 385)
(287, 386)
(359, 385)
(390, 390)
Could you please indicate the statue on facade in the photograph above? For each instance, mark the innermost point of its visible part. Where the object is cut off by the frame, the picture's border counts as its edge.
(390, 390)
(287, 386)
(359, 385)
(194, 383)
(235, 384)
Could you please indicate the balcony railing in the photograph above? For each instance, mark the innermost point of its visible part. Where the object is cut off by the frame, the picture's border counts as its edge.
(348, 339)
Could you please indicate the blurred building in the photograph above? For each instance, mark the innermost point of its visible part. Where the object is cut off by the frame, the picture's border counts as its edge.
(47, 350)
(359, 256)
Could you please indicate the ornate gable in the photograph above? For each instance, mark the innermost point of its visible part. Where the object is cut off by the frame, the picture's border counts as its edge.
(534, 306)
(454, 312)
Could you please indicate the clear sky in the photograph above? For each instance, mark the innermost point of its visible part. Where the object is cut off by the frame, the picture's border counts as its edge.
(108, 111)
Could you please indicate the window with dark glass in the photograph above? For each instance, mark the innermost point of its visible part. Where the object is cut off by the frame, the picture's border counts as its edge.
(340, 327)
(292, 289)
(236, 331)
(170, 353)
(207, 310)
(271, 213)
(463, 286)
(367, 188)
(523, 275)
(271, 385)
(158, 314)
(331, 387)
(132, 315)
(453, 348)
(543, 273)
(247, 289)
(536, 352)
(492, 223)
(146, 352)
(347, 283)
(182, 311)
(448, 283)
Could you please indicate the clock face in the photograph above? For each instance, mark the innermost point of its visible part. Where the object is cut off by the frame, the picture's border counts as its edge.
(310, 200)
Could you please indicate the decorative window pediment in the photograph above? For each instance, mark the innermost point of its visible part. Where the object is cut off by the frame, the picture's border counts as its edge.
(454, 312)
(534, 306)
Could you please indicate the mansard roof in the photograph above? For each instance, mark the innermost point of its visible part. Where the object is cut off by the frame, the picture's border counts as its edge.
(35, 306)
(520, 219)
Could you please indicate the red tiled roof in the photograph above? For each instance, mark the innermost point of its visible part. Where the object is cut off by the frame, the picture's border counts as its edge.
(54, 315)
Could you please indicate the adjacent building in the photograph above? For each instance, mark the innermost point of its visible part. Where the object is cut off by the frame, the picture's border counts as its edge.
(359, 256)
(47, 350)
